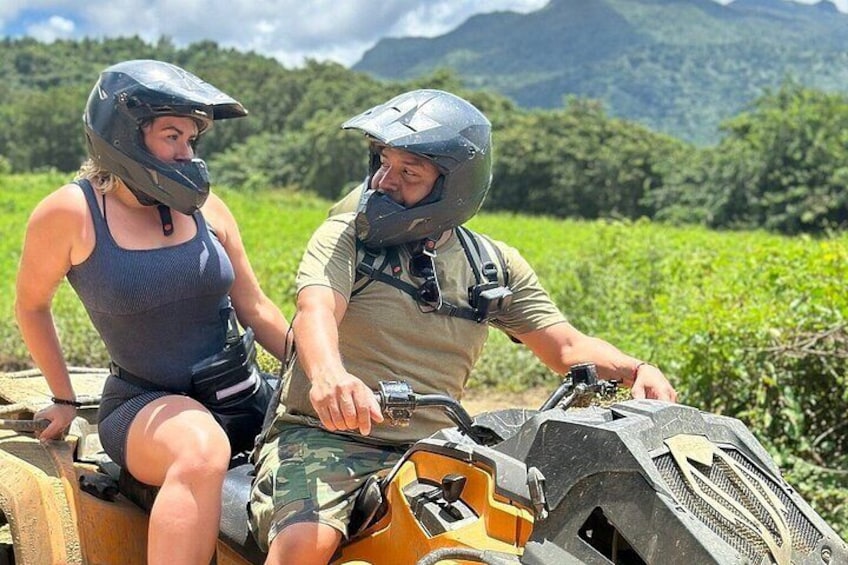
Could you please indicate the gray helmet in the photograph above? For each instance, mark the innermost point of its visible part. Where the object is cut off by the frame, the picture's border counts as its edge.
(130, 94)
(451, 133)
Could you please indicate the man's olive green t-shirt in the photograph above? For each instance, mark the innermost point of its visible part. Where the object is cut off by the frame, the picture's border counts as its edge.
(386, 335)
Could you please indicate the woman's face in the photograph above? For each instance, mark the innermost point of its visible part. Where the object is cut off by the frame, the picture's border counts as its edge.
(171, 138)
(405, 177)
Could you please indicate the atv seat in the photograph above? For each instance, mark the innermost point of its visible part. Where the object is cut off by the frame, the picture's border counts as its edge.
(234, 530)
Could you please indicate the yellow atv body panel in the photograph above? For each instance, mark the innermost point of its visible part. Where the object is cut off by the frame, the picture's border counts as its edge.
(500, 525)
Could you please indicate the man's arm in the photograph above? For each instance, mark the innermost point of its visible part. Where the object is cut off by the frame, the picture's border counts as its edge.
(342, 401)
(562, 345)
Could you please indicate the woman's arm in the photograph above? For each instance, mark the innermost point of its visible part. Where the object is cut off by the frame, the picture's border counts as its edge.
(58, 234)
(253, 307)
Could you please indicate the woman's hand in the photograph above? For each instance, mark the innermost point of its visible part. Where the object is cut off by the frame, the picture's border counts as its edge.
(60, 417)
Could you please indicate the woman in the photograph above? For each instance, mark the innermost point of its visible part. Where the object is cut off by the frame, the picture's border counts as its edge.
(156, 260)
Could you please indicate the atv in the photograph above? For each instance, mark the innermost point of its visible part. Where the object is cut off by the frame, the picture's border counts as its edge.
(633, 482)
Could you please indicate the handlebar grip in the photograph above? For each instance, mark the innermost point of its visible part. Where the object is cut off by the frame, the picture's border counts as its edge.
(24, 425)
(397, 401)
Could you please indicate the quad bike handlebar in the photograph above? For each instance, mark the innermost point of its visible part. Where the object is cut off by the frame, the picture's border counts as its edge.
(398, 402)
(580, 382)
(38, 425)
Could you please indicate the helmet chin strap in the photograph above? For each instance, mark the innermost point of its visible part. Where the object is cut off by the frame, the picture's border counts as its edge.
(164, 210)
(426, 246)
(167, 220)
(142, 198)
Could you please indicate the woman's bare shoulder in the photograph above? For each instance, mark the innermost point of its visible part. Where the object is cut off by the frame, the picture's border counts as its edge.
(66, 204)
(218, 215)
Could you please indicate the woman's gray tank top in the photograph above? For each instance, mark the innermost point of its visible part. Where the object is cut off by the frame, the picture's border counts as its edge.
(158, 311)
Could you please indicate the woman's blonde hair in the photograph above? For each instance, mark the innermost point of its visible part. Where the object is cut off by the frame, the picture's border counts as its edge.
(105, 181)
(102, 180)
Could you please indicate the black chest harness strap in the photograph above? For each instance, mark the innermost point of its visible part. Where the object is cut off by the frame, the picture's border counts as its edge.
(486, 297)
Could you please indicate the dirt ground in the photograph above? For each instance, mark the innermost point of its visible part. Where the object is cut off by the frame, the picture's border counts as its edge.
(479, 400)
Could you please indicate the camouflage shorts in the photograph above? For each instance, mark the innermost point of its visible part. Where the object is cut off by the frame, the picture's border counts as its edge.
(307, 474)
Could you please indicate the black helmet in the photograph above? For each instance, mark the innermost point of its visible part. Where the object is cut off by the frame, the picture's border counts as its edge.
(131, 93)
(451, 133)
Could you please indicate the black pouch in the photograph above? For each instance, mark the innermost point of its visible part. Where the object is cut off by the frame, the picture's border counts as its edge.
(231, 386)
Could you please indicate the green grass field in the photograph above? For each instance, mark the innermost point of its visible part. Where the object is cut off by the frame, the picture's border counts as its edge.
(726, 315)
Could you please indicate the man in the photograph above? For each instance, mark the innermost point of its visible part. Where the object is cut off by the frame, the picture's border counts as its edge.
(430, 169)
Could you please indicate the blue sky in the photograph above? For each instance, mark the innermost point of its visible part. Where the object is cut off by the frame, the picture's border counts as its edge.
(289, 30)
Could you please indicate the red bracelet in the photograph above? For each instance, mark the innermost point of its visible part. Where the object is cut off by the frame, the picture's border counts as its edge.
(638, 366)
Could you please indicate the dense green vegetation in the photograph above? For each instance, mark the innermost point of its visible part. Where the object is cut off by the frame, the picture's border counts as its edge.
(747, 324)
(677, 66)
(780, 165)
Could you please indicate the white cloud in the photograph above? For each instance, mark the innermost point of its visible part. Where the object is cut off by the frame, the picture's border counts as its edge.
(290, 30)
(55, 27)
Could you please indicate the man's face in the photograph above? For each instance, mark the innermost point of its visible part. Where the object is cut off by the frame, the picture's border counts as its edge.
(404, 177)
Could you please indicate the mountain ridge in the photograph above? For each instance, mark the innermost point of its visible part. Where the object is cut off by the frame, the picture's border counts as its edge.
(678, 66)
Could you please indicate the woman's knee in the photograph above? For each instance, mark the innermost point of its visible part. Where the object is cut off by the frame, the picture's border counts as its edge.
(206, 462)
(178, 439)
(205, 455)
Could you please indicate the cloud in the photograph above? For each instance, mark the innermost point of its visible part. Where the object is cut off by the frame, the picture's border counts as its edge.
(291, 31)
(55, 27)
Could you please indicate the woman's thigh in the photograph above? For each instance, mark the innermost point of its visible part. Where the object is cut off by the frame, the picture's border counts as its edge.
(173, 430)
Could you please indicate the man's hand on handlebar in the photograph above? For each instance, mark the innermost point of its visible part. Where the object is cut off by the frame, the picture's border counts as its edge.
(345, 403)
(651, 383)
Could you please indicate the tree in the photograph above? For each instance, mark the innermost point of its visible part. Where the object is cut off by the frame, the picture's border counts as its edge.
(790, 157)
(576, 162)
(47, 130)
